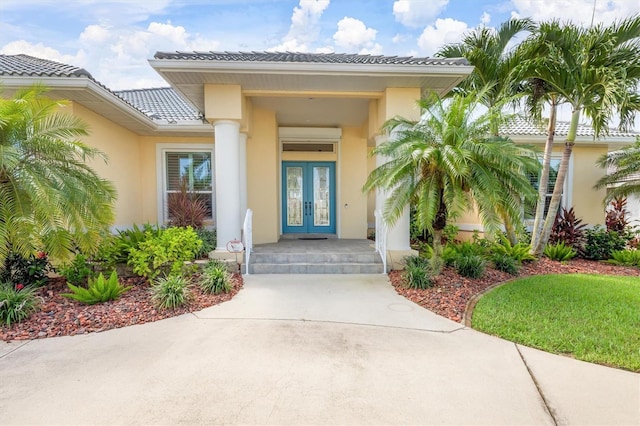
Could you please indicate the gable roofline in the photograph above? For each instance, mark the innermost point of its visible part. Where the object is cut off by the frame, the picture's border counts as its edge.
(78, 85)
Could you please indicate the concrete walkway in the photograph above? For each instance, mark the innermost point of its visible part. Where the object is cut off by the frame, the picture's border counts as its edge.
(306, 349)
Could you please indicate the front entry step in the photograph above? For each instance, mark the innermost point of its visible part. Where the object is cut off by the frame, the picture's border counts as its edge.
(316, 257)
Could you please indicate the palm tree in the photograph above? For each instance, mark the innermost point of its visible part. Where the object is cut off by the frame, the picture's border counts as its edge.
(596, 71)
(624, 177)
(493, 56)
(447, 163)
(50, 199)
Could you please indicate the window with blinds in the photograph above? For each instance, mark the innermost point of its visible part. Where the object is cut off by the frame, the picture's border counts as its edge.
(193, 167)
(530, 211)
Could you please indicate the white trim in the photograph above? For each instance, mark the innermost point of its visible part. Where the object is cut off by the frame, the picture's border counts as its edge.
(161, 176)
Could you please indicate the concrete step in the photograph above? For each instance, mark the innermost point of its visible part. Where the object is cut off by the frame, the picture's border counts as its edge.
(316, 258)
(315, 268)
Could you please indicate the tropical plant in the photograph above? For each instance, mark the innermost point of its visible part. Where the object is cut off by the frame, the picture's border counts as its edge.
(215, 279)
(623, 172)
(16, 304)
(616, 217)
(494, 59)
(78, 271)
(505, 263)
(568, 228)
(166, 252)
(185, 208)
(50, 198)
(470, 265)
(417, 272)
(446, 164)
(208, 237)
(519, 252)
(625, 258)
(560, 252)
(31, 270)
(596, 71)
(171, 292)
(116, 248)
(600, 243)
(99, 290)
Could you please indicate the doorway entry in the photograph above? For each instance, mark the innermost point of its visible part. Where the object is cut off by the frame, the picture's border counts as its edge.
(309, 197)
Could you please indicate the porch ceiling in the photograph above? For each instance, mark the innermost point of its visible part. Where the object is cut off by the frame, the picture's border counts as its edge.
(315, 111)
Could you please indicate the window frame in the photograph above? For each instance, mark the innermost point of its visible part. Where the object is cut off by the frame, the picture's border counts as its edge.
(161, 175)
(567, 191)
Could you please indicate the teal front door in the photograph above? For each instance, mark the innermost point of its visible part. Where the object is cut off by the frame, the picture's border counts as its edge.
(308, 197)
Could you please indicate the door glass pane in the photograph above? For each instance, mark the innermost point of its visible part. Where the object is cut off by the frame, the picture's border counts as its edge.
(294, 196)
(321, 196)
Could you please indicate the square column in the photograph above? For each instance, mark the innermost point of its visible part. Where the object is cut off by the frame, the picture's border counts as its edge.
(243, 176)
(227, 184)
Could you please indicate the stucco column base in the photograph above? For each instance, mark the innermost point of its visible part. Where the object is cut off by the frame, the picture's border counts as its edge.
(395, 258)
(222, 254)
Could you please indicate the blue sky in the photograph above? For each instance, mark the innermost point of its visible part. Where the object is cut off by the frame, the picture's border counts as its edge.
(114, 39)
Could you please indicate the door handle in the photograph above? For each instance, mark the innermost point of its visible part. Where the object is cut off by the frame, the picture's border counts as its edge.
(307, 208)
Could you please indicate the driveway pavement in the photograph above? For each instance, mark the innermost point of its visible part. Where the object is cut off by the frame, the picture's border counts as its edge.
(306, 349)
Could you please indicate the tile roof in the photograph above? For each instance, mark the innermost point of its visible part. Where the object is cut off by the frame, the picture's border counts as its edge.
(524, 127)
(157, 104)
(325, 58)
(25, 65)
(162, 103)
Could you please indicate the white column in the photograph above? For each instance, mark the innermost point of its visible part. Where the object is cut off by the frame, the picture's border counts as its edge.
(243, 176)
(227, 149)
(399, 235)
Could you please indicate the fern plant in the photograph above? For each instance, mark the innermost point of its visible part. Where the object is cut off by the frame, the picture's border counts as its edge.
(560, 252)
(99, 290)
(520, 252)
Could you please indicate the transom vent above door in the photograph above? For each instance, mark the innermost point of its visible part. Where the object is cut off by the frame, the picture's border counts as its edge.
(308, 147)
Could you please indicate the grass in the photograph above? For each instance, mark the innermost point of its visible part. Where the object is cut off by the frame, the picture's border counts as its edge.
(594, 318)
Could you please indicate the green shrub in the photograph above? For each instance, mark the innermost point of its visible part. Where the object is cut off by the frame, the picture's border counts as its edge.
(208, 237)
(559, 252)
(449, 233)
(452, 252)
(16, 303)
(417, 272)
(215, 279)
(520, 252)
(78, 271)
(116, 248)
(166, 252)
(28, 271)
(99, 290)
(625, 258)
(601, 243)
(505, 263)
(470, 265)
(170, 292)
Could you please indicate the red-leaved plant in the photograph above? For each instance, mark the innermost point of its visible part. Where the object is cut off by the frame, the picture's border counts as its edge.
(185, 208)
(616, 217)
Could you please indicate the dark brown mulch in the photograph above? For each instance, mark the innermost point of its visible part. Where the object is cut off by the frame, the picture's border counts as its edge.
(451, 292)
(60, 316)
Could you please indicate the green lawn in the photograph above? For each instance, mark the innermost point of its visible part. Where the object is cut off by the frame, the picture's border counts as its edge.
(594, 318)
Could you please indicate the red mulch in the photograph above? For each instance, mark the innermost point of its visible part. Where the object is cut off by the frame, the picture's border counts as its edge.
(60, 316)
(451, 293)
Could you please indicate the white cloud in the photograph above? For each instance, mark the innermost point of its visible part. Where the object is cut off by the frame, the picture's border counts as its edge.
(417, 13)
(578, 11)
(325, 49)
(444, 31)
(117, 56)
(485, 18)
(304, 28)
(353, 34)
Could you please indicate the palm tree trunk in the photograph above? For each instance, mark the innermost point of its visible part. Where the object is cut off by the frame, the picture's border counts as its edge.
(559, 185)
(544, 176)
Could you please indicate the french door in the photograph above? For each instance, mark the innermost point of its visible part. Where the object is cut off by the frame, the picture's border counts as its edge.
(308, 197)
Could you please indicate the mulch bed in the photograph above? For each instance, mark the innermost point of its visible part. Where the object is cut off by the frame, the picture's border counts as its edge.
(61, 316)
(451, 292)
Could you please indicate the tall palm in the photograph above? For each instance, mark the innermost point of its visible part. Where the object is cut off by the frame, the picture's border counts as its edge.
(624, 177)
(446, 164)
(596, 71)
(494, 57)
(50, 199)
